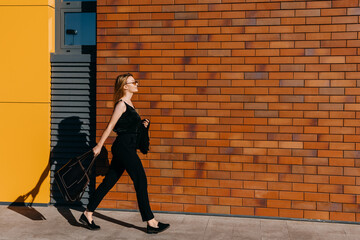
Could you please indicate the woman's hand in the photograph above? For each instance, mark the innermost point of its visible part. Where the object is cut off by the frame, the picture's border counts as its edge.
(96, 150)
(146, 122)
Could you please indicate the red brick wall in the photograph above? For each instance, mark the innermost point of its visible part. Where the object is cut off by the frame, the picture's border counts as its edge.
(253, 103)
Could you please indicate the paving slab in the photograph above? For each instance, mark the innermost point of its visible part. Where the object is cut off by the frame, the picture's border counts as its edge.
(61, 223)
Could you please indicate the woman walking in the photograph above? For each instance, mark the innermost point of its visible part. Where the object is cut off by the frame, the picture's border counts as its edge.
(126, 122)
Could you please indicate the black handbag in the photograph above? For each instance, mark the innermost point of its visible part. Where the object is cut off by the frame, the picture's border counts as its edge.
(73, 178)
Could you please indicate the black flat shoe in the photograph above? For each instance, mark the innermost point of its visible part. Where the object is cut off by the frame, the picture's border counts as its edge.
(161, 227)
(92, 226)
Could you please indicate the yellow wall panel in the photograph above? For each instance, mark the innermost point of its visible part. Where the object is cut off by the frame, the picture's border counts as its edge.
(24, 151)
(25, 73)
(27, 2)
(25, 57)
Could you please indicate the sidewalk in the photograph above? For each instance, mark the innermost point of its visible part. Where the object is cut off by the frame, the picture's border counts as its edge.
(61, 223)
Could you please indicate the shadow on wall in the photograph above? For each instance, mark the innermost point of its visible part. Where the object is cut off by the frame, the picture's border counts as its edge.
(71, 142)
(25, 208)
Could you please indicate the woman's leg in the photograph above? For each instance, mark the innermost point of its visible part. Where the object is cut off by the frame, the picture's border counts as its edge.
(109, 181)
(135, 169)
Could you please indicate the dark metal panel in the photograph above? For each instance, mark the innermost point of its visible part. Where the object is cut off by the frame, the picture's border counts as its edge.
(69, 58)
(70, 80)
(70, 92)
(70, 86)
(70, 104)
(69, 98)
(61, 64)
(73, 120)
(71, 68)
(70, 74)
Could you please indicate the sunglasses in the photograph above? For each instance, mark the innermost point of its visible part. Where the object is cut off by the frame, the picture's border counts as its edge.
(134, 83)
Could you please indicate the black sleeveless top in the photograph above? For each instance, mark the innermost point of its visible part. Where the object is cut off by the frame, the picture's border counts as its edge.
(129, 122)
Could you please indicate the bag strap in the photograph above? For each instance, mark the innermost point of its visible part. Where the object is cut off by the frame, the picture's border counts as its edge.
(83, 157)
(90, 165)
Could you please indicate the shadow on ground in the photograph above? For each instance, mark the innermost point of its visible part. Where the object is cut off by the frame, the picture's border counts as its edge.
(67, 214)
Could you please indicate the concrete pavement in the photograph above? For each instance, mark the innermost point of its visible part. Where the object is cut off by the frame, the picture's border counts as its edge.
(61, 223)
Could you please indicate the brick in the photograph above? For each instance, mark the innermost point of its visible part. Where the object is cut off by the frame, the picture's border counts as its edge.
(320, 36)
(242, 210)
(318, 4)
(209, 15)
(304, 205)
(282, 13)
(291, 195)
(327, 188)
(311, 28)
(195, 208)
(307, 60)
(353, 11)
(353, 43)
(291, 213)
(292, 52)
(343, 198)
(337, 216)
(304, 169)
(258, 75)
(186, 15)
(343, 67)
(273, 203)
(195, 8)
(172, 207)
(220, 7)
(254, 202)
(266, 194)
(252, 13)
(333, 28)
(347, 19)
(333, 43)
(307, 13)
(281, 29)
(292, 68)
(206, 200)
(268, 21)
(293, 5)
(266, 176)
(324, 215)
(291, 177)
(230, 201)
(293, 36)
(351, 189)
(266, 212)
(333, 12)
(293, 21)
(317, 197)
(345, 3)
(267, 6)
(348, 35)
(304, 187)
(350, 207)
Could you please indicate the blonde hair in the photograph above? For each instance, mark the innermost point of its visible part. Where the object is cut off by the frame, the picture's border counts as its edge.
(119, 86)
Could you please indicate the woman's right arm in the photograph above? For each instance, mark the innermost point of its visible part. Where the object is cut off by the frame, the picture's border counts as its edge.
(120, 108)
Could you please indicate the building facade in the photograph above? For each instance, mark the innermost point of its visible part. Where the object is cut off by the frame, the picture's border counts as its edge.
(253, 103)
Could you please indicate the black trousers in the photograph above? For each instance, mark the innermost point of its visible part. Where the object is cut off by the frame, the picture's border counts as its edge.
(125, 158)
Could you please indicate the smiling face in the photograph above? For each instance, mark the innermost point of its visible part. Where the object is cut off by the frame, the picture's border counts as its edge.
(131, 84)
